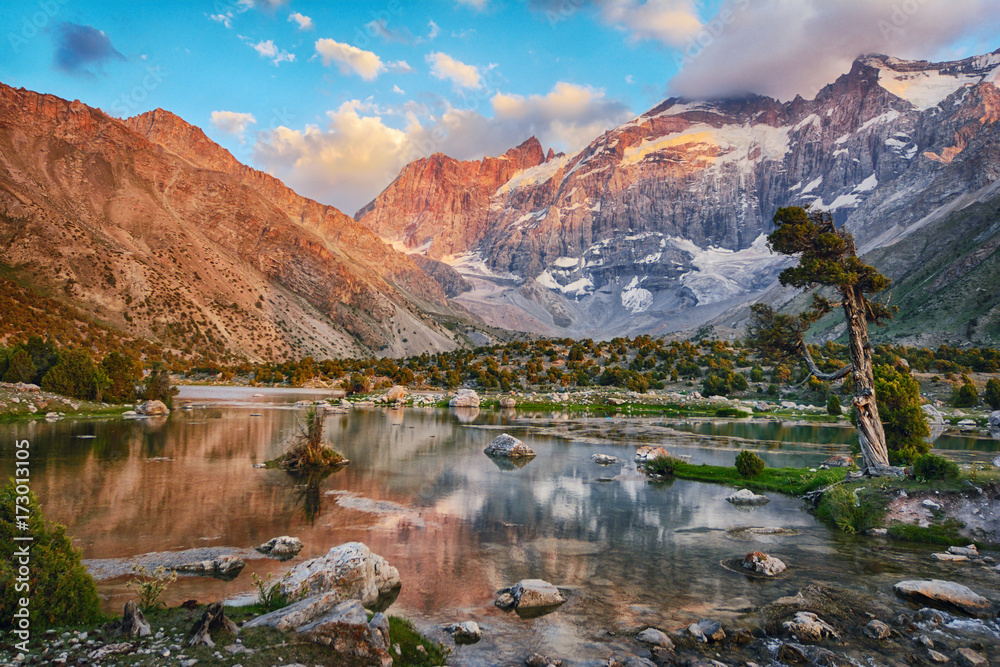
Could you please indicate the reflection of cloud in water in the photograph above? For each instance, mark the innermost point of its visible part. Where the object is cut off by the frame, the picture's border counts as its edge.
(386, 508)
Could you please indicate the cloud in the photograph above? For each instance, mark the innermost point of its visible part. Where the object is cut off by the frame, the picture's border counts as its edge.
(400, 66)
(399, 91)
(353, 158)
(273, 53)
(350, 59)
(444, 66)
(433, 31)
(232, 122)
(401, 35)
(305, 23)
(671, 22)
(80, 46)
(478, 5)
(225, 19)
(811, 42)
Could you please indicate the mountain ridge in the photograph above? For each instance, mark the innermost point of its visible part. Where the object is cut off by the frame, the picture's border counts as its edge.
(658, 224)
(175, 242)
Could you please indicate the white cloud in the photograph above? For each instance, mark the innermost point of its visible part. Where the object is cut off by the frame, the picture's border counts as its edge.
(357, 154)
(350, 59)
(444, 66)
(401, 66)
(433, 30)
(232, 122)
(267, 49)
(305, 23)
(225, 19)
(671, 22)
(810, 43)
(399, 91)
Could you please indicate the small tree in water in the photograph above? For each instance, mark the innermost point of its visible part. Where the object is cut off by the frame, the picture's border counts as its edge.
(828, 257)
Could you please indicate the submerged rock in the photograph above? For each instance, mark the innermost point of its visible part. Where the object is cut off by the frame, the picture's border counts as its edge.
(603, 459)
(748, 497)
(281, 548)
(467, 632)
(508, 446)
(351, 569)
(529, 595)
(946, 594)
(762, 563)
(707, 630)
(808, 627)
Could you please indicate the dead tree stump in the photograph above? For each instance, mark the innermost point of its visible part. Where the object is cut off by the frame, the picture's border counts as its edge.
(213, 619)
(132, 623)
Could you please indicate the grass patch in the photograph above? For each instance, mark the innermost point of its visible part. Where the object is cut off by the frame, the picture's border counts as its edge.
(946, 533)
(793, 481)
(852, 508)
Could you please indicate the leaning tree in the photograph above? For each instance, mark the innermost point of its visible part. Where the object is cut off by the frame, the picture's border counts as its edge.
(828, 257)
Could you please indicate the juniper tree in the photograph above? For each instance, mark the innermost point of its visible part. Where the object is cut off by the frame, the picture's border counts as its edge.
(828, 258)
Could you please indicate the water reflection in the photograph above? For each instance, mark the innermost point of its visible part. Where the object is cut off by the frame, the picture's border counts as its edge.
(420, 492)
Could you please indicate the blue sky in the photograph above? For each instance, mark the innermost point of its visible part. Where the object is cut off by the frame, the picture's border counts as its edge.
(335, 97)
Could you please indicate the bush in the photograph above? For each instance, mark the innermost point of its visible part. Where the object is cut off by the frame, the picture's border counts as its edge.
(149, 586)
(833, 406)
(965, 396)
(748, 464)
(899, 409)
(662, 465)
(61, 591)
(992, 395)
(854, 511)
(76, 375)
(933, 467)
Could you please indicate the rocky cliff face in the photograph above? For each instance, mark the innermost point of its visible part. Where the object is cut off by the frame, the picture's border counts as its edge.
(440, 205)
(150, 226)
(658, 224)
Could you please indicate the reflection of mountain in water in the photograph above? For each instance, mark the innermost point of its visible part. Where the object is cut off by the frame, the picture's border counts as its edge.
(420, 492)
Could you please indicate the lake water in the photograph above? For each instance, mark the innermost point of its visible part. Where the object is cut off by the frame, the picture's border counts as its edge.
(420, 492)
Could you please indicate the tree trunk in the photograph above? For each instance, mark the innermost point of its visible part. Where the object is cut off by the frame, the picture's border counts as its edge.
(870, 431)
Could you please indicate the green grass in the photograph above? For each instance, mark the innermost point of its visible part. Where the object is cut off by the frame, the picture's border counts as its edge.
(793, 481)
(945, 533)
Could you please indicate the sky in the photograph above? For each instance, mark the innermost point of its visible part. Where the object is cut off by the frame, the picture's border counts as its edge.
(335, 98)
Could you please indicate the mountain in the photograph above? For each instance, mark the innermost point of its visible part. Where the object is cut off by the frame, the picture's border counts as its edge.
(658, 225)
(149, 226)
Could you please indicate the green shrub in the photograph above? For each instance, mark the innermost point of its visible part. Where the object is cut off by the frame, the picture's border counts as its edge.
(992, 395)
(149, 586)
(899, 409)
(833, 406)
(76, 375)
(662, 465)
(931, 467)
(748, 464)
(851, 510)
(965, 396)
(61, 591)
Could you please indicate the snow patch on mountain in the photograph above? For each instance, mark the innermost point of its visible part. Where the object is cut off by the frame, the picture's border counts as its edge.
(726, 144)
(635, 298)
(722, 274)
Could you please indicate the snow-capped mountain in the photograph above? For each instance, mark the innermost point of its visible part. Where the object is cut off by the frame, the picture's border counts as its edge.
(659, 224)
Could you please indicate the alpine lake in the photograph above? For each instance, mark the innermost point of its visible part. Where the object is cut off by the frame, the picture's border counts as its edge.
(628, 552)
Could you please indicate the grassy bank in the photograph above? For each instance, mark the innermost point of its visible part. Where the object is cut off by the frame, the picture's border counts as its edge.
(791, 481)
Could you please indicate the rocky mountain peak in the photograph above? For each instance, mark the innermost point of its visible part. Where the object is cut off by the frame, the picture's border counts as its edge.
(183, 139)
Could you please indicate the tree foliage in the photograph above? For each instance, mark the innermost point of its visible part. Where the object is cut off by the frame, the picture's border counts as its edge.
(992, 395)
(61, 591)
(906, 427)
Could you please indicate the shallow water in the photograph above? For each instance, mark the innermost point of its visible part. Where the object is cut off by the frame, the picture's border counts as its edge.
(420, 492)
